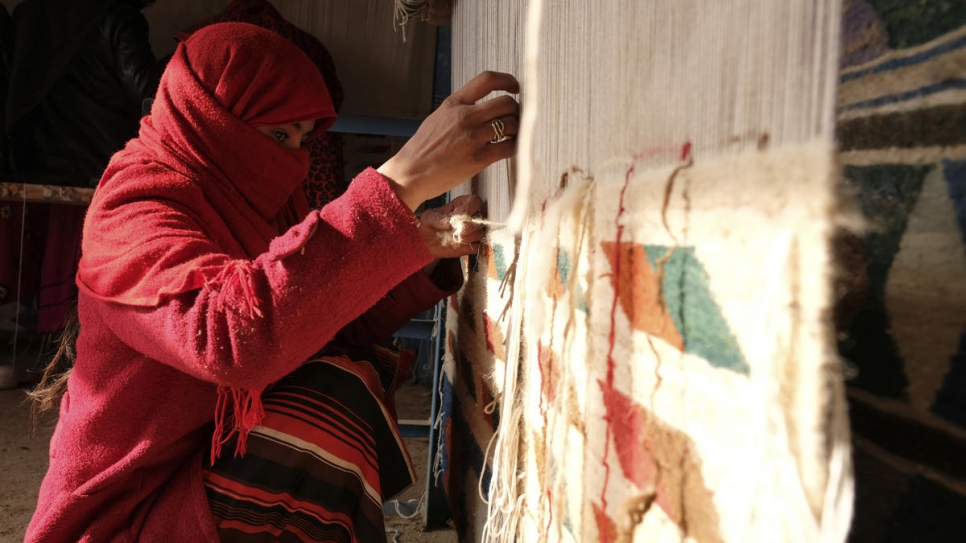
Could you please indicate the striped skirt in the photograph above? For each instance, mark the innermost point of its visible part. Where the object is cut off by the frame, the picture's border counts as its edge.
(326, 455)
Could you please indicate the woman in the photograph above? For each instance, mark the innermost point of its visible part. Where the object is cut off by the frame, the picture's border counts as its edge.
(326, 179)
(206, 283)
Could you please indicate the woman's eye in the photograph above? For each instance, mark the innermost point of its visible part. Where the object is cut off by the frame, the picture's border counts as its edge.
(279, 135)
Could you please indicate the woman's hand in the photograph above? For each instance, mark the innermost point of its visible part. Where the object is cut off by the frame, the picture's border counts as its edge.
(448, 240)
(457, 140)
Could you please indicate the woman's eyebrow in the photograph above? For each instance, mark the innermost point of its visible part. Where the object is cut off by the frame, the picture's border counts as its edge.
(308, 130)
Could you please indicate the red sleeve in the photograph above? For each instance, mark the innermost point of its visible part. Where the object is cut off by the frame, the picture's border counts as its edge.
(417, 293)
(277, 310)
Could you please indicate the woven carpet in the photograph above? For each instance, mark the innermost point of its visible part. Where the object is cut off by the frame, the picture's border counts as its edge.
(902, 134)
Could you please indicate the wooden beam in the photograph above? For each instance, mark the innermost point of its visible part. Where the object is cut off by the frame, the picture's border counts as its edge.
(47, 194)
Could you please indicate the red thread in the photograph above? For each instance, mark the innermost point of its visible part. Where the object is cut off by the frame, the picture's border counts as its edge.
(240, 416)
(221, 414)
(603, 490)
(236, 279)
(249, 412)
(612, 335)
(612, 338)
(543, 357)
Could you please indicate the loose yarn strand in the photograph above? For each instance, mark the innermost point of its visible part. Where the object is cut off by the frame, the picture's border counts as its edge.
(460, 224)
(404, 10)
(505, 499)
(17, 303)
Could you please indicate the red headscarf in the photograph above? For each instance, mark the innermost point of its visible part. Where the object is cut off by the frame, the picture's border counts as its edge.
(199, 172)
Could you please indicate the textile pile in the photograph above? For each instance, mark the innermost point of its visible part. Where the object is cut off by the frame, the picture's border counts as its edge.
(902, 133)
(472, 376)
(677, 377)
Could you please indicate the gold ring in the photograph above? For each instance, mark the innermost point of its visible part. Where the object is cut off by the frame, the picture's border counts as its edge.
(498, 131)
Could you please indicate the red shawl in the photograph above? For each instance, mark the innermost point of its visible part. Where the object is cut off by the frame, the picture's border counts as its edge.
(326, 180)
(199, 152)
(199, 155)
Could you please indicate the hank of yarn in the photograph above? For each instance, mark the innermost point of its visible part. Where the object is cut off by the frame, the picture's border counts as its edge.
(460, 227)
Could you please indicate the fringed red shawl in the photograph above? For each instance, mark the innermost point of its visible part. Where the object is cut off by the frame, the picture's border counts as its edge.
(201, 136)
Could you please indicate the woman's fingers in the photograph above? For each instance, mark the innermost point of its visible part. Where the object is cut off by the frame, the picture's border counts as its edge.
(471, 234)
(499, 129)
(493, 152)
(454, 143)
(496, 119)
(483, 84)
(440, 217)
(494, 108)
(435, 219)
(467, 204)
(448, 238)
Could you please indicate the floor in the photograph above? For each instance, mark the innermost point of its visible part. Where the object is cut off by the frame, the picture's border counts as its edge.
(24, 448)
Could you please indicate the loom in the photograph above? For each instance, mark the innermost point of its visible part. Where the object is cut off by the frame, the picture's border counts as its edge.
(644, 352)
